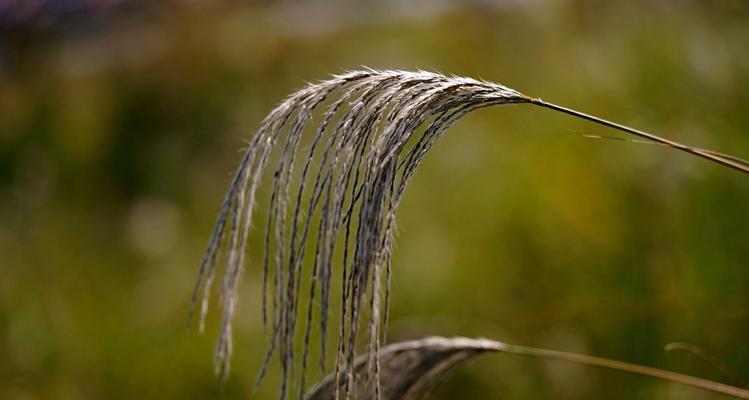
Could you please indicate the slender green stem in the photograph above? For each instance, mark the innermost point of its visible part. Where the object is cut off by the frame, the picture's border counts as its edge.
(729, 161)
(627, 367)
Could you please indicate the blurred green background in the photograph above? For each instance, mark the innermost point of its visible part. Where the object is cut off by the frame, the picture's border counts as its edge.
(119, 129)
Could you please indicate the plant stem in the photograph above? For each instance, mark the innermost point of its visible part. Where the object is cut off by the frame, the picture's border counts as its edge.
(729, 161)
(626, 367)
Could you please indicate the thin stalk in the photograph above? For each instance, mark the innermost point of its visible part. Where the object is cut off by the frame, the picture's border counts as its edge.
(713, 360)
(626, 367)
(728, 161)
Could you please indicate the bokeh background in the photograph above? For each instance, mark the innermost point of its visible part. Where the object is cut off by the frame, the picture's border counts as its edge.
(120, 122)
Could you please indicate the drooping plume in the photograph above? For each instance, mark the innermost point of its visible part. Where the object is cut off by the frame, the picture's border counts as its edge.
(411, 370)
(375, 129)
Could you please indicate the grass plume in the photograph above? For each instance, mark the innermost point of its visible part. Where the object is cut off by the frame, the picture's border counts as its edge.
(413, 368)
(376, 127)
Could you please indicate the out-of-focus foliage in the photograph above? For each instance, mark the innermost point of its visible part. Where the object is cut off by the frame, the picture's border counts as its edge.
(117, 138)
